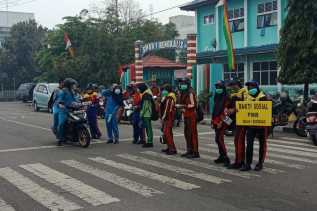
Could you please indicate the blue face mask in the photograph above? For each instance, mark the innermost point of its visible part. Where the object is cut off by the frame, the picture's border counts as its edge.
(253, 91)
(219, 91)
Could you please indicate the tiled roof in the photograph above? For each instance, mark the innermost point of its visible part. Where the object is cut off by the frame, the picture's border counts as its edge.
(196, 3)
(159, 62)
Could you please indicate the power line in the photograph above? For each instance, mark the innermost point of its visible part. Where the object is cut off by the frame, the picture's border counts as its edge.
(164, 10)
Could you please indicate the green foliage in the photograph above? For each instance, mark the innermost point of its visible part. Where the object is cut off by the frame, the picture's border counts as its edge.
(297, 52)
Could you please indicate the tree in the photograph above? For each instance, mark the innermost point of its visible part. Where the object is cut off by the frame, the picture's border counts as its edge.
(297, 51)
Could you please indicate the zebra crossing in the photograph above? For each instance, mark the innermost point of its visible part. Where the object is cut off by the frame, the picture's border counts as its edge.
(46, 184)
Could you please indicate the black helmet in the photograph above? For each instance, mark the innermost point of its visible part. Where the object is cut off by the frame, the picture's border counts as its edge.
(142, 87)
(69, 82)
(184, 83)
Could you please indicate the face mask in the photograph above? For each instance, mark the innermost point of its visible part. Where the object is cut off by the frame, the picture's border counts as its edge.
(253, 91)
(219, 91)
(117, 91)
(183, 87)
(164, 93)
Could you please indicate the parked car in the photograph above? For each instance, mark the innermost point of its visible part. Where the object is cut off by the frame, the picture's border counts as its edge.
(42, 94)
(25, 92)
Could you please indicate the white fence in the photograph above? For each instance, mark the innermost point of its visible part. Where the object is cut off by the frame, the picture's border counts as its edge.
(7, 95)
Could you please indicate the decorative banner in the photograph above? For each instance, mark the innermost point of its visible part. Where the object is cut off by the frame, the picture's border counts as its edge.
(254, 113)
(169, 44)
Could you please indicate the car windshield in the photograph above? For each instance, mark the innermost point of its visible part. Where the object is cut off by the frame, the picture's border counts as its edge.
(52, 87)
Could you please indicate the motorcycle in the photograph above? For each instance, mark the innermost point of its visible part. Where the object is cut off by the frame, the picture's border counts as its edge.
(311, 127)
(76, 127)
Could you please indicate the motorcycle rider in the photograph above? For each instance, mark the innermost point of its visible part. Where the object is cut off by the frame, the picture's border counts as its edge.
(220, 111)
(238, 93)
(114, 101)
(92, 110)
(189, 104)
(168, 110)
(65, 101)
(53, 103)
(255, 94)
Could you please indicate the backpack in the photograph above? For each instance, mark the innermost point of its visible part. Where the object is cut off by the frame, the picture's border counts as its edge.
(199, 113)
(155, 111)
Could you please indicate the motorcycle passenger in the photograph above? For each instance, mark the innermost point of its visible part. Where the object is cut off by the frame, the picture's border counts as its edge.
(114, 101)
(255, 94)
(92, 110)
(65, 101)
(53, 103)
(221, 103)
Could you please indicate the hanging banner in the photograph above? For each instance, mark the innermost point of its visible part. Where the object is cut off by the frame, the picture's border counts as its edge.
(254, 113)
(169, 44)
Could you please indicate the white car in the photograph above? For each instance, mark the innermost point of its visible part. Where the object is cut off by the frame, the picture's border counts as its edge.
(42, 94)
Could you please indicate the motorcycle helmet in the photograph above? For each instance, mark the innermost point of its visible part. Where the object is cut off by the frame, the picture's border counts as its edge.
(69, 83)
(184, 84)
(142, 87)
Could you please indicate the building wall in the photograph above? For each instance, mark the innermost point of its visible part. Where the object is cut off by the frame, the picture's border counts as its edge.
(184, 25)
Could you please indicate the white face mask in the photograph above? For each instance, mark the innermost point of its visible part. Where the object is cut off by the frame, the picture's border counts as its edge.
(117, 91)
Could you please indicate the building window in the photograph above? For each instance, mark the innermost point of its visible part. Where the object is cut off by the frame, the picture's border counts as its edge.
(267, 14)
(236, 20)
(209, 19)
(229, 74)
(265, 72)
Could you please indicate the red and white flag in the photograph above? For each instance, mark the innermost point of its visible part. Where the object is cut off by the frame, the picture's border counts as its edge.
(68, 44)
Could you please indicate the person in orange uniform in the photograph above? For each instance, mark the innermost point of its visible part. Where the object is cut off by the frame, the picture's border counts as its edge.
(237, 93)
(167, 116)
(220, 111)
(189, 104)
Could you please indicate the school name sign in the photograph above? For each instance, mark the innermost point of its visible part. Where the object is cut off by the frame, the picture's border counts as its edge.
(169, 44)
(254, 113)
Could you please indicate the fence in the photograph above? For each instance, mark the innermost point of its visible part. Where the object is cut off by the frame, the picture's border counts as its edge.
(7, 95)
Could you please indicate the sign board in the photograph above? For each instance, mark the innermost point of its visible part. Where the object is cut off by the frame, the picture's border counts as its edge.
(180, 74)
(254, 113)
(169, 44)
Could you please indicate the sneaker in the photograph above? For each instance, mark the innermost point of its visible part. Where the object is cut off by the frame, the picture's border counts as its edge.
(164, 150)
(110, 142)
(226, 162)
(219, 160)
(235, 166)
(148, 145)
(60, 143)
(186, 154)
(246, 167)
(116, 142)
(258, 167)
(194, 155)
(171, 152)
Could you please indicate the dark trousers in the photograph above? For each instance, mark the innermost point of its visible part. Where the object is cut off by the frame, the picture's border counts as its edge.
(220, 141)
(239, 143)
(93, 121)
(261, 134)
(137, 127)
(191, 134)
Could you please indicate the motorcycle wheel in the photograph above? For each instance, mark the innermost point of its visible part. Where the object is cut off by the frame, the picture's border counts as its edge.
(299, 127)
(84, 138)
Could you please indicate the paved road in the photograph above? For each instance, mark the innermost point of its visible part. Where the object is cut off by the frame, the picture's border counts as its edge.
(37, 175)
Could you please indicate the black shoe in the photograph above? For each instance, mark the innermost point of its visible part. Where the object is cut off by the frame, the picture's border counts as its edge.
(226, 162)
(116, 142)
(235, 166)
(171, 152)
(219, 160)
(164, 150)
(134, 142)
(148, 145)
(246, 167)
(186, 154)
(60, 143)
(110, 142)
(258, 167)
(140, 142)
(194, 155)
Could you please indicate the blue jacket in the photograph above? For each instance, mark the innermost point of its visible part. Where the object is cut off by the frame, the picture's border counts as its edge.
(112, 102)
(56, 95)
(66, 98)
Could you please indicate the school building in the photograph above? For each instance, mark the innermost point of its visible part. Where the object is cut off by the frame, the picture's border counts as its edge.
(255, 26)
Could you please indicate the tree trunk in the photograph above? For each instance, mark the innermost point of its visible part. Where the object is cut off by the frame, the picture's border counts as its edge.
(306, 92)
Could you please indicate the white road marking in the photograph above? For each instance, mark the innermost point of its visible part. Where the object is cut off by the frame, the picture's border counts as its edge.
(280, 156)
(85, 192)
(179, 170)
(150, 175)
(244, 175)
(4, 206)
(27, 149)
(43, 196)
(113, 178)
(287, 143)
(25, 124)
(295, 139)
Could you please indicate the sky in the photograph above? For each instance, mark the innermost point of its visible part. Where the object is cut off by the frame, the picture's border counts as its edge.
(50, 12)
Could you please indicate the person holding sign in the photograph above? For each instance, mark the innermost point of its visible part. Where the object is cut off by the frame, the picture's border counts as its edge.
(220, 121)
(255, 94)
